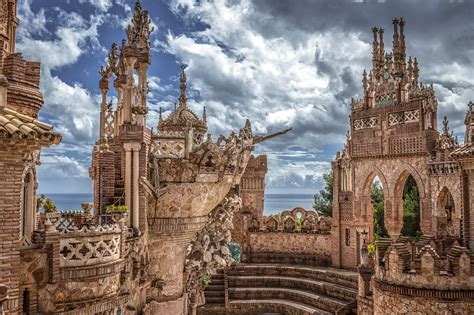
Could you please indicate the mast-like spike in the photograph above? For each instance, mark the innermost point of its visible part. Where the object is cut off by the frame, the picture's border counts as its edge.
(258, 139)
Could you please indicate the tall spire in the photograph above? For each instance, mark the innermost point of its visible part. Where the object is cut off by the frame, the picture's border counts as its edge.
(402, 42)
(381, 46)
(395, 42)
(375, 47)
(182, 79)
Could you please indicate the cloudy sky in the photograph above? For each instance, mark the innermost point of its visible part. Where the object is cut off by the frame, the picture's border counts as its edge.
(280, 63)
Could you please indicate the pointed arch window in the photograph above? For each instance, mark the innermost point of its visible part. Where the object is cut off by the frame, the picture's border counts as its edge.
(28, 209)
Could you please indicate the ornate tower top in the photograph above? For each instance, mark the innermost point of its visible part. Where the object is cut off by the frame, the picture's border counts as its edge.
(182, 117)
(393, 79)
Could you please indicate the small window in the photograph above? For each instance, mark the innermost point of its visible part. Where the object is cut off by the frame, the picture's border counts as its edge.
(348, 237)
(26, 302)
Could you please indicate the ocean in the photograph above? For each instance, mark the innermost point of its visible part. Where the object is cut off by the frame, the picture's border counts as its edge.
(274, 203)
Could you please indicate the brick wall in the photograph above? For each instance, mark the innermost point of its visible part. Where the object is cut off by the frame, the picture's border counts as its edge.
(12, 169)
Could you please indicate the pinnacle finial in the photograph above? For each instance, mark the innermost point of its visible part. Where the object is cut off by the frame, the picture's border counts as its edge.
(204, 115)
(160, 117)
(445, 125)
(182, 79)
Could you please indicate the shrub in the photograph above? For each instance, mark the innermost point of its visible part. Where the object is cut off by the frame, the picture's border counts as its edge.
(116, 209)
(206, 280)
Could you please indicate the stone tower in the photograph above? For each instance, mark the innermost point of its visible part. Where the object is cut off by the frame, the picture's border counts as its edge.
(393, 135)
(22, 136)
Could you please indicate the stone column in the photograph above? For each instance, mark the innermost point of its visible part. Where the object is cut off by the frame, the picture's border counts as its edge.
(128, 176)
(104, 87)
(136, 158)
(128, 93)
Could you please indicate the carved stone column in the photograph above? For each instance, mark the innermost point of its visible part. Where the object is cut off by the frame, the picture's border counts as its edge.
(135, 208)
(128, 95)
(128, 176)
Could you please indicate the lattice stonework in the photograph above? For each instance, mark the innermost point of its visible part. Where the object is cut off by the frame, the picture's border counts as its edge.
(173, 148)
(412, 116)
(346, 211)
(364, 123)
(409, 116)
(81, 251)
(406, 145)
(395, 119)
(109, 123)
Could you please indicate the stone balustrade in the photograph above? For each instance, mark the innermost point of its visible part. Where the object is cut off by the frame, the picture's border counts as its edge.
(294, 221)
(89, 245)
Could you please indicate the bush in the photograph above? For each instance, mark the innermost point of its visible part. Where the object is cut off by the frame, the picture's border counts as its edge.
(116, 209)
(206, 280)
(46, 204)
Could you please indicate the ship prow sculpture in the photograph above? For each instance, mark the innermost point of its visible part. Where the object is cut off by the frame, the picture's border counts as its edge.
(169, 180)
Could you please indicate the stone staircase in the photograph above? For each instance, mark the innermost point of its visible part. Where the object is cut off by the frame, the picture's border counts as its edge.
(286, 289)
(215, 290)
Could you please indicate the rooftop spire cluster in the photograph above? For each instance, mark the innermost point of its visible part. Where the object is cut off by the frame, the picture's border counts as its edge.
(393, 78)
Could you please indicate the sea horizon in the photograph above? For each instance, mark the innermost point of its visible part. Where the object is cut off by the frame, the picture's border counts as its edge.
(274, 202)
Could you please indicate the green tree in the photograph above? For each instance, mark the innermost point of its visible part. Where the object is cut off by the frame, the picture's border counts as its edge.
(411, 209)
(322, 202)
(377, 198)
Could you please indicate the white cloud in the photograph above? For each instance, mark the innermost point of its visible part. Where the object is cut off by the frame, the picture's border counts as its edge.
(101, 5)
(277, 81)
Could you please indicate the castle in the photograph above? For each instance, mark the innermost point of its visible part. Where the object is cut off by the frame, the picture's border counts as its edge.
(167, 202)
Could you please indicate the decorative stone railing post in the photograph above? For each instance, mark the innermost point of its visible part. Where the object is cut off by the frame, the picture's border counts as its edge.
(51, 243)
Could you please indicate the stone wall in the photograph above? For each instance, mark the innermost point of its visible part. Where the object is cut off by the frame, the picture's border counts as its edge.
(390, 303)
(293, 243)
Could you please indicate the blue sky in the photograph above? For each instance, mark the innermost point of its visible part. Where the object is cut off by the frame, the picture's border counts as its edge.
(279, 63)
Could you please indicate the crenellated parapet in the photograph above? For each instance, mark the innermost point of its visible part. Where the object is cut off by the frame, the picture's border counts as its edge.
(423, 267)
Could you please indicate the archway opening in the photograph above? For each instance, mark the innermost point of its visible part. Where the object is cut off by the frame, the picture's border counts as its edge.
(378, 200)
(447, 223)
(411, 209)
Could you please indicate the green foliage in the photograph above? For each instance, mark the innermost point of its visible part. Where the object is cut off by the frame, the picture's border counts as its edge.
(298, 222)
(235, 250)
(116, 209)
(322, 202)
(377, 198)
(411, 209)
(371, 249)
(46, 204)
(206, 280)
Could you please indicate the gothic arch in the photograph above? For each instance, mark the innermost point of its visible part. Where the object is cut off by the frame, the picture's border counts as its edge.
(368, 176)
(398, 183)
(366, 206)
(447, 213)
(400, 176)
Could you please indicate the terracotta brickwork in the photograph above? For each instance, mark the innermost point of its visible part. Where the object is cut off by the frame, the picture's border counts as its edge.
(22, 136)
(393, 135)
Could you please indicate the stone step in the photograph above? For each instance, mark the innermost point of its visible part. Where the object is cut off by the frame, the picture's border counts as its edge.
(337, 276)
(270, 306)
(313, 299)
(214, 300)
(216, 293)
(323, 287)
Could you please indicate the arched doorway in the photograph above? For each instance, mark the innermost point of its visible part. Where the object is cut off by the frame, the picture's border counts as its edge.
(411, 209)
(447, 222)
